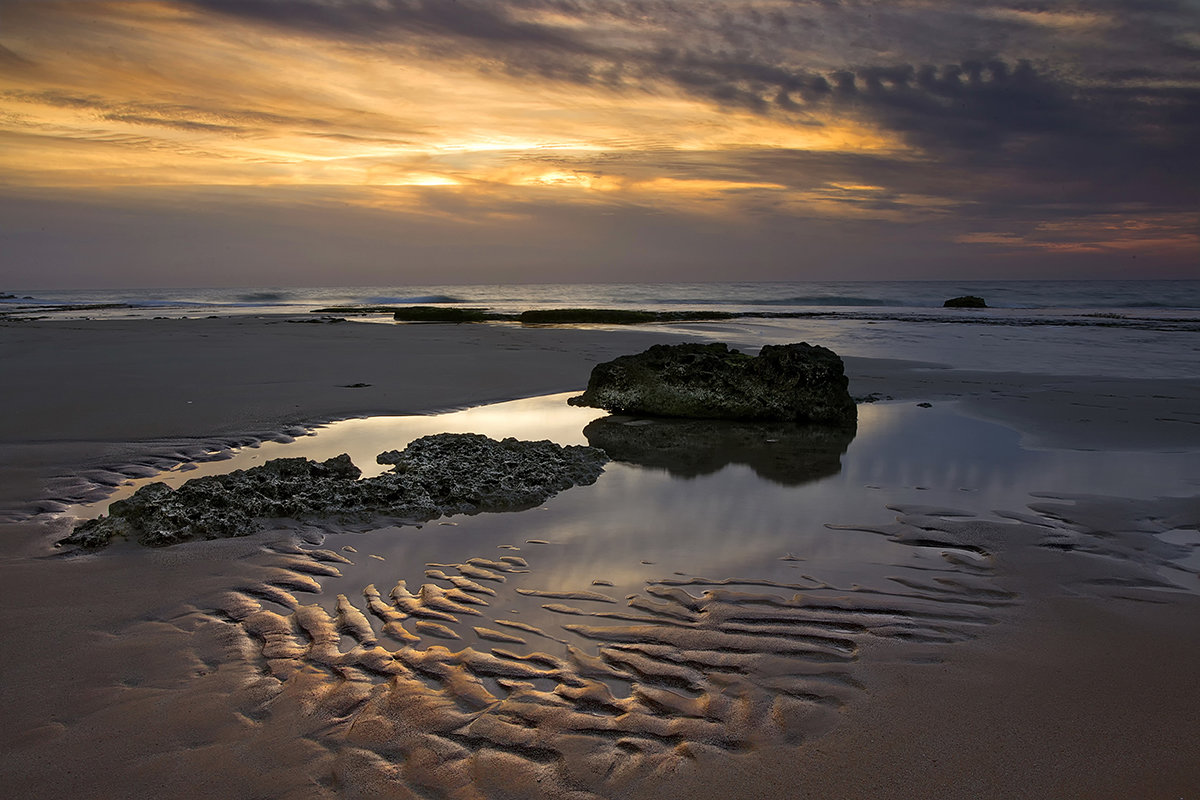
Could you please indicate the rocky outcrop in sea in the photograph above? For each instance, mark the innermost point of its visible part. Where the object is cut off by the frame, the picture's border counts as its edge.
(966, 301)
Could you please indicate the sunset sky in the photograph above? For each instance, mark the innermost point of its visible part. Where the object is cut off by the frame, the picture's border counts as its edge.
(328, 142)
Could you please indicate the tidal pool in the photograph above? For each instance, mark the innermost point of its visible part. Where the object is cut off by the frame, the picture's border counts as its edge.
(723, 501)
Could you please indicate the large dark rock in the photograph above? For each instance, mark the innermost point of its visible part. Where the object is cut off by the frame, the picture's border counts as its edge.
(450, 473)
(788, 453)
(786, 383)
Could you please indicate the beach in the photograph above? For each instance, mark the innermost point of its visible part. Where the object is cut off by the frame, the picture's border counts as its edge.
(523, 400)
(1049, 671)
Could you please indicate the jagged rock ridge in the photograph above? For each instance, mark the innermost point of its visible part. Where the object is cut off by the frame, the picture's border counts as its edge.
(461, 473)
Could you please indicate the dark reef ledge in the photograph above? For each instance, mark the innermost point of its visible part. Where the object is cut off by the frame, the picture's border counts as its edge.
(449, 473)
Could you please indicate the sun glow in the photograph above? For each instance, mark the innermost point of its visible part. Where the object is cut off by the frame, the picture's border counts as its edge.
(291, 112)
(524, 112)
(422, 180)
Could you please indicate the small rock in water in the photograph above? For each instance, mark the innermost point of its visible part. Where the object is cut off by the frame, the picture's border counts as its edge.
(966, 301)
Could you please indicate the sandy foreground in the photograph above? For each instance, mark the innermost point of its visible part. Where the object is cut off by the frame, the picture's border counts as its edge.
(1071, 696)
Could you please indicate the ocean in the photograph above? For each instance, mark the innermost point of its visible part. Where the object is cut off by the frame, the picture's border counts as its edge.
(1118, 328)
(1157, 300)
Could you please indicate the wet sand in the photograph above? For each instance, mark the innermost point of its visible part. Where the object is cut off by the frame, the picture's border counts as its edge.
(79, 393)
(115, 688)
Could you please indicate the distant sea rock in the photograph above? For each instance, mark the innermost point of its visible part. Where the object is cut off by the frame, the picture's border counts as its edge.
(966, 301)
(450, 473)
(784, 383)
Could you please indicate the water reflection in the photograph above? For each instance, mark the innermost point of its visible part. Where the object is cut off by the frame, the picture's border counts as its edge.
(725, 502)
(785, 453)
(533, 418)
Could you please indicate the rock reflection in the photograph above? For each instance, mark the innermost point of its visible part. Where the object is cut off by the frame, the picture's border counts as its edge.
(787, 453)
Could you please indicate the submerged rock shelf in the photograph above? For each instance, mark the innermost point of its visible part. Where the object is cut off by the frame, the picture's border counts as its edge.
(448, 473)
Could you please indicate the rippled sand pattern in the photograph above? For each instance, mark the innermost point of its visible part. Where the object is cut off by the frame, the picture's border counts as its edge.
(621, 689)
(436, 691)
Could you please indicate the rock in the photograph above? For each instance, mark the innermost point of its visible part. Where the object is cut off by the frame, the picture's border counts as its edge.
(786, 383)
(787, 453)
(435, 475)
(966, 301)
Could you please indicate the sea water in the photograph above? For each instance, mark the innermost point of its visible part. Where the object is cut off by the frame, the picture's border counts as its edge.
(1142, 329)
(1143, 299)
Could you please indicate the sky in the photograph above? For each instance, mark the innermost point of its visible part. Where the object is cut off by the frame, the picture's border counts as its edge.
(391, 142)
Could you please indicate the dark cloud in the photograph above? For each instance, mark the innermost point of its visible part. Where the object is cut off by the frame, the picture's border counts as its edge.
(11, 60)
(214, 118)
(1009, 113)
(1041, 136)
(1042, 93)
(55, 98)
(486, 22)
(178, 124)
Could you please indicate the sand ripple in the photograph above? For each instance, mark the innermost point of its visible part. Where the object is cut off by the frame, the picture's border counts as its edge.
(431, 691)
(691, 666)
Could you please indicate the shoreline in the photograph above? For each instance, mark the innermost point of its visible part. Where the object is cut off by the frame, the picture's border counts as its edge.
(897, 741)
